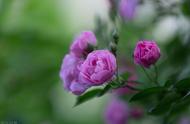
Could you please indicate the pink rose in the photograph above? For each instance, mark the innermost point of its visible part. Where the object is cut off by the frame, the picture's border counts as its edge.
(69, 74)
(117, 112)
(146, 53)
(127, 9)
(99, 67)
(80, 45)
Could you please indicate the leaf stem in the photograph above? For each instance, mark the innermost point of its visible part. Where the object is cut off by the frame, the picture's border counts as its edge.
(131, 88)
(133, 81)
(146, 73)
(156, 74)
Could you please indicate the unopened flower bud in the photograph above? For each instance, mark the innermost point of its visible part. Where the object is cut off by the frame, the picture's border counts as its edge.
(146, 53)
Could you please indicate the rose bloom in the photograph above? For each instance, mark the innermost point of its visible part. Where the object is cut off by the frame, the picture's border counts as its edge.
(98, 68)
(127, 9)
(117, 112)
(80, 45)
(146, 53)
(69, 74)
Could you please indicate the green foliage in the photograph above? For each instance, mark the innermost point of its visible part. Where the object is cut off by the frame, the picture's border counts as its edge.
(144, 94)
(186, 8)
(87, 96)
(32, 46)
(165, 104)
(169, 83)
(125, 76)
(183, 85)
(104, 91)
(172, 98)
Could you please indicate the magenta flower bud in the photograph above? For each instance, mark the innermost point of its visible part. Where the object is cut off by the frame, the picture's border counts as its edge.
(136, 112)
(117, 112)
(98, 68)
(127, 9)
(146, 53)
(69, 74)
(80, 45)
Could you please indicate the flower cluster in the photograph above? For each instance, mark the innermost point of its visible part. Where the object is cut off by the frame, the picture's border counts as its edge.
(84, 67)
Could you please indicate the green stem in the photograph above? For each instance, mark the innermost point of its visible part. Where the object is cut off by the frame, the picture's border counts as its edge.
(131, 88)
(133, 81)
(117, 73)
(146, 73)
(156, 75)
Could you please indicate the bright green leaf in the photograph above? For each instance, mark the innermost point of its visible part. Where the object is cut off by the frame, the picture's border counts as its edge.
(87, 96)
(125, 76)
(104, 91)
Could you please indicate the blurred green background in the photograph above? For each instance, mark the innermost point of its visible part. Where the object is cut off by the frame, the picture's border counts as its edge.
(34, 37)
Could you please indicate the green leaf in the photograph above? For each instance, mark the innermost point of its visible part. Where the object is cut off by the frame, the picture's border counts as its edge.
(169, 83)
(183, 85)
(165, 104)
(125, 76)
(91, 94)
(104, 91)
(87, 96)
(147, 93)
(186, 8)
(115, 84)
(181, 104)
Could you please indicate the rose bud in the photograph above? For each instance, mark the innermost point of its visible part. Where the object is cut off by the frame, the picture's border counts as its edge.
(98, 68)
(81, 43)
(69, 74)
(127, 9)
(146, 53)
(117, 112)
